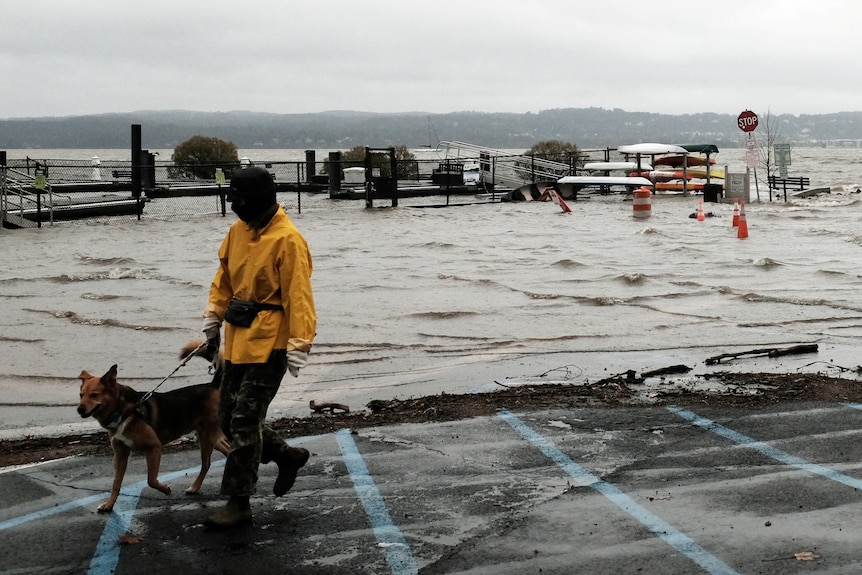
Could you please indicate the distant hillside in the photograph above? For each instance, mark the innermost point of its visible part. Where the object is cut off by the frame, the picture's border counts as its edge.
(586, 127)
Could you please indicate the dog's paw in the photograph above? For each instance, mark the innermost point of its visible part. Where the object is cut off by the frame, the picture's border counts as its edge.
(105, 507)
(193, 490)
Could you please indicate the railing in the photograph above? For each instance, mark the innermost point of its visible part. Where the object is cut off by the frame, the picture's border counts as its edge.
(502, 167)
(19, 197)
(78, 190)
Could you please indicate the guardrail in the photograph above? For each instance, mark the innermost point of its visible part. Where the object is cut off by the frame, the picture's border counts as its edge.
(19, 198)
(508, 169)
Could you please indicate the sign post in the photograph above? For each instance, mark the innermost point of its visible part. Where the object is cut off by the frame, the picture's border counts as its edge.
(747, 122)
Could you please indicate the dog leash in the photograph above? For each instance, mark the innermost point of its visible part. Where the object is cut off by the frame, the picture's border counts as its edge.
(150, 393)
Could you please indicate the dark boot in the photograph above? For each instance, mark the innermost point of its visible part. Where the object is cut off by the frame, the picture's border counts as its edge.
(289, 462)
(235, 513)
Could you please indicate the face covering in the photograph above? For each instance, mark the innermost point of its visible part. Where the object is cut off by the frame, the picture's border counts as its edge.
(247, 210)
(251, 194)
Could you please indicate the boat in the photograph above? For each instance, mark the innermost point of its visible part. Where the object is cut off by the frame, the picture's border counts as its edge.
(651, 149)
(662, 175)
(688, 162)
(569, 186)
(585, 181)
(616, 166)
(701, 173)
(678, 160)
(679, 186)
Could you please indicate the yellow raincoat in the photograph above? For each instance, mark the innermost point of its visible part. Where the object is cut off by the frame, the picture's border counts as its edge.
(273, 266)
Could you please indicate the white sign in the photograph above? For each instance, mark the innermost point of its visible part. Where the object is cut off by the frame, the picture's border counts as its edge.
(736, 186)
(752, 157)
(782, 154)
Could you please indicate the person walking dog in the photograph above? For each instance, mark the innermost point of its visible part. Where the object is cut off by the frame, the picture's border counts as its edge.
(262, 292)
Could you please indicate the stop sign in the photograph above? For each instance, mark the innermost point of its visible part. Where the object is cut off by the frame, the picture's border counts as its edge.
(747, 121)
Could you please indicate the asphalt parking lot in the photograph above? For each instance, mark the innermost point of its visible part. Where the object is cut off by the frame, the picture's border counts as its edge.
(648, 490)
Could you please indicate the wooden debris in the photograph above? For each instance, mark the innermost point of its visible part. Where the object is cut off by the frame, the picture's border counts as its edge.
(628, 376)
(670, 370)
(631, 376)
(769, 352)
(328, 407)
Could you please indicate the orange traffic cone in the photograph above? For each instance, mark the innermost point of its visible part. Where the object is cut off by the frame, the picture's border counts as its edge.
(700, 215)
(742, 230)
(557, 199)
(735, 213)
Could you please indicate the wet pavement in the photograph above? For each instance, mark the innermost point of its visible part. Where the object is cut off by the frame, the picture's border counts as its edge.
(648, 490)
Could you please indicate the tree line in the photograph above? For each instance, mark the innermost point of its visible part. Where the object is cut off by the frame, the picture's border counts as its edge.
(589, 127)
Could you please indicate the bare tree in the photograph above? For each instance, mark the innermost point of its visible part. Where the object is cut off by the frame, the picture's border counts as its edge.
(769, 160)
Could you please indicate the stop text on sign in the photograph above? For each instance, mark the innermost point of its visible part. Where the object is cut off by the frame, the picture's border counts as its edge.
(747, 121)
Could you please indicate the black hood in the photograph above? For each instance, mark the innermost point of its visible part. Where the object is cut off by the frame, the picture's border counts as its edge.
(251, 193)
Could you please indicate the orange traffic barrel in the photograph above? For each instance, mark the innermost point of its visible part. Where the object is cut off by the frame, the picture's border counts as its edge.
(641, 206)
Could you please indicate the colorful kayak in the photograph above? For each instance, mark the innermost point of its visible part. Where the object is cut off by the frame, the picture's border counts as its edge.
(677, 186)
(585, 181)
(652, 149)
(662, 175)
(677, 160)
(615, 166)
(701, 173)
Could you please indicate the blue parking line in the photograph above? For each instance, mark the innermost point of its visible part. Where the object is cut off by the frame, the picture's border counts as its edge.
(661, 528)
(107, 554)
(765, 448)
(16, 521)
(398, 554)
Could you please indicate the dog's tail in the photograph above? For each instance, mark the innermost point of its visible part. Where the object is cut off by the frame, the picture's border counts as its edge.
(196, 348)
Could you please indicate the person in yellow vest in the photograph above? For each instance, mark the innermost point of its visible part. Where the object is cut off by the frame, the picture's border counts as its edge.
(262, 292)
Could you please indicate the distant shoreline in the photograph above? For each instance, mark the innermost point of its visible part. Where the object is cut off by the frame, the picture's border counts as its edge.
(585, 127)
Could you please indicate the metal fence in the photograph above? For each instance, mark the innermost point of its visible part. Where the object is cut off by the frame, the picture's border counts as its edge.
(36, 192)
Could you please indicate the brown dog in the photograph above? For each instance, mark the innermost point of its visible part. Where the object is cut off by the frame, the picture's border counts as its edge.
(146, 426)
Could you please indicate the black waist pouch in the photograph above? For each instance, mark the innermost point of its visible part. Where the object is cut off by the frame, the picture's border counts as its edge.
(242, 313)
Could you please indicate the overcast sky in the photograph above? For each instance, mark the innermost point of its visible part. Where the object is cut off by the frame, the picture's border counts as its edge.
(64, 58)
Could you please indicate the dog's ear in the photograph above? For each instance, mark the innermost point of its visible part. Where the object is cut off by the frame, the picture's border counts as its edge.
(85, 375)
(110, 378)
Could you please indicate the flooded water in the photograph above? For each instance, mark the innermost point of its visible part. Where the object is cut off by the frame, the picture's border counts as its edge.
(415, 301)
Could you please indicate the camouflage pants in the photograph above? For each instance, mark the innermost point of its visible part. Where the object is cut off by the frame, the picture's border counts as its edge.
(245, 394)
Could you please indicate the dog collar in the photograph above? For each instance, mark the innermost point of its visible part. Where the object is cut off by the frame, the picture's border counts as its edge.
(116, 418)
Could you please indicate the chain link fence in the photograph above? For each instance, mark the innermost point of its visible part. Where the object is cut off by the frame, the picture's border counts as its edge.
(35, 192)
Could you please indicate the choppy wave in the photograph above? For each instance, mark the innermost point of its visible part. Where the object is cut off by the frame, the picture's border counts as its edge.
(632, 278)
(649, 231)
(438, 245)
(479, 281)
(604, 301)
(442, 314)
(534, 295)
(119, 273)
(821, 232)
(105, 261)
(20, 339)
(567, 263)
(767, 263)
(78, 319)
(100, 296)
(753, 297)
